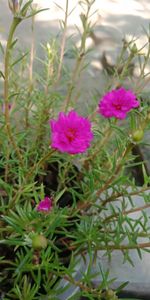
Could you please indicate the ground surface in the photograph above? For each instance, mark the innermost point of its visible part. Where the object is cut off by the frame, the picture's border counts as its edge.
(115, 20)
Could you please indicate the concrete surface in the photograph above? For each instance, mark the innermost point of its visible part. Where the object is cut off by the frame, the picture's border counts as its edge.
(115, 20)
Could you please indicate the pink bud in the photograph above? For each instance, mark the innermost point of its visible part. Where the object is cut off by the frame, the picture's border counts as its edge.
(45, 205)
(14, 6)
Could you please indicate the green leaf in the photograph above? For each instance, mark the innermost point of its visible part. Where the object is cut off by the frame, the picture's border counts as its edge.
(13, 43)
(60, 194)
(36, 12)
(61, 8)
(2, 75)
(25, 8)
(19, 59)
(1, 48)
(121, 287)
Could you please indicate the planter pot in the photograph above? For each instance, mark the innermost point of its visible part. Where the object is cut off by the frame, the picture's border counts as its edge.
(138, 287)
(137, 276)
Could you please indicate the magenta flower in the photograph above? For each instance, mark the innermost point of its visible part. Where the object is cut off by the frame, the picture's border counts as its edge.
(45, 205)
(117, 103)
(71, 133)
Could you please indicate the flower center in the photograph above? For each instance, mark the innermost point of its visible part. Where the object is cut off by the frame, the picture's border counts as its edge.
(117, 106)
(71, 134)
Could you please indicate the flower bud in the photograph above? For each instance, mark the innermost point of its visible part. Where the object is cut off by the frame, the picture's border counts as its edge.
(45, 205)
(14, 6)
(110, 295)
(39, 242)
(138, 135)
(134, 49)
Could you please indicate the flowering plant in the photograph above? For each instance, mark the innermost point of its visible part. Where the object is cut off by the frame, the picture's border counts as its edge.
(66, 189)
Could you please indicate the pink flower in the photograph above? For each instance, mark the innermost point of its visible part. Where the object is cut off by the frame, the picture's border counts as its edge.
(117, 103)
(45, 205)
(71, 133)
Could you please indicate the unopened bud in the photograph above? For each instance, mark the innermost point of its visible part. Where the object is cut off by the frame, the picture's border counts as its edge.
(39, 242)
(110, 295)
(134, 49)
(14, 6)
(138, 135)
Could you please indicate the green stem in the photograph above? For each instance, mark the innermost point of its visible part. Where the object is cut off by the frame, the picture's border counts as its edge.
(126, 212)
(111, 247)
(41, 162)
(100, 144)
(81, 285)
(27, 108)
(79, 60)
(29, 176)
(124, 247)
(141, 82)
(13, 27)
(63, 42)
(138, 235)
(117, 171)
(115, 197)
(88, 203)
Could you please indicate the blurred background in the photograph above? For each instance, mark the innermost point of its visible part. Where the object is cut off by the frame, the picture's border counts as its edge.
(115, 21)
